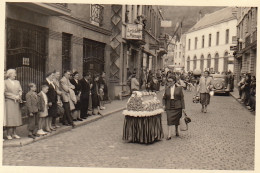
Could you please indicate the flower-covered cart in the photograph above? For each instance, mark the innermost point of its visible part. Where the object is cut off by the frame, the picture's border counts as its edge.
(142, 122)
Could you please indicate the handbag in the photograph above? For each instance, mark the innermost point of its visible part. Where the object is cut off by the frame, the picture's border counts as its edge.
(184, 122)
(211, 93)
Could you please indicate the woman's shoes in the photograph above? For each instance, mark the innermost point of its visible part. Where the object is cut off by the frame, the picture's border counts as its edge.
(9, 137)
(16, 137)
(53, 129)
(168, 138)
(79, 119)
(205, 110)
(100, 114)
(31, 136)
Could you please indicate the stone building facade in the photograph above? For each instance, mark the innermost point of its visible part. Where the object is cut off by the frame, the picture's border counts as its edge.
(208, 42)
(43, 37)
(246, 54)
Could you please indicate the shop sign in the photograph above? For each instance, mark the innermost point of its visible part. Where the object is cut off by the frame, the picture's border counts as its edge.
(154, 46)
(166, 23)
(233, 48)
(134, 31)
(234, 40)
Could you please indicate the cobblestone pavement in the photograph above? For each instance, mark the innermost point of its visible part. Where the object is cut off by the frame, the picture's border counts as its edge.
(222, 139)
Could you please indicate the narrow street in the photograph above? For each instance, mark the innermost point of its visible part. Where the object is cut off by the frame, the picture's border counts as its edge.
(222, 139)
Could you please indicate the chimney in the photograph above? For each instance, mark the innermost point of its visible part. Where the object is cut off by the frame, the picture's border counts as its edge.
(200, 14)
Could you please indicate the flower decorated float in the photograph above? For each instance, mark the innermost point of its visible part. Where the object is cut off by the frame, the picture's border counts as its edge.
(142, 122)
(143, 104)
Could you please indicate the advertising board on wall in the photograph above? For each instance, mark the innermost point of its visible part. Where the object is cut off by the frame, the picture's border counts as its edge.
(134, 31)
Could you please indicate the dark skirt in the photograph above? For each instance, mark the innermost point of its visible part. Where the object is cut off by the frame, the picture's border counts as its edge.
(53, 110)
(173, 115)
(204, 98)
(77, 106)
(95, 101)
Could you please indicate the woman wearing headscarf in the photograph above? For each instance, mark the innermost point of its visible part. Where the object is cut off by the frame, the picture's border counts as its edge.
(13, 98)
(173, 101)
(204, 87)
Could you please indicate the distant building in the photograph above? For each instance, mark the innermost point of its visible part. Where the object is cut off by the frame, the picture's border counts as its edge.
(245, 56)
(179, 54)
(168, 59)
(208, 42)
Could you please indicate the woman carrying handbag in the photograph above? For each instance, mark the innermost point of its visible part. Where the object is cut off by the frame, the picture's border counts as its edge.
(173, 101)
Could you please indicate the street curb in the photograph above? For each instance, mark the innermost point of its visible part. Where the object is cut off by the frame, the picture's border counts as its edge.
(244, 106)
(26, 141)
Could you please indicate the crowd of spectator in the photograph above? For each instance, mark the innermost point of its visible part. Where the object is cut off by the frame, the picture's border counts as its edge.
(67, 99)
(247, 90)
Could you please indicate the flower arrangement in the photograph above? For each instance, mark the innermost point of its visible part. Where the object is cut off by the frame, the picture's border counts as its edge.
(143, 104)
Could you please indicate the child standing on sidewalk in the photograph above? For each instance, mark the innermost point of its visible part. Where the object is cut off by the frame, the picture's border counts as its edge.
(32, 107)
(43, 109)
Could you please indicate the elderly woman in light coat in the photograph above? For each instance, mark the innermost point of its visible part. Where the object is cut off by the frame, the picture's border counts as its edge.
(13, 97)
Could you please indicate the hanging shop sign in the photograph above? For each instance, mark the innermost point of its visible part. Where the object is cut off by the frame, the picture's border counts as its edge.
(233, 48)
(154, 46)
(134, 31)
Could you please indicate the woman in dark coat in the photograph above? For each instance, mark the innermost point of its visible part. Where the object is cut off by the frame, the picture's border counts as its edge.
(173, 101)
(95, 95)
(247, 89)
(77, 90)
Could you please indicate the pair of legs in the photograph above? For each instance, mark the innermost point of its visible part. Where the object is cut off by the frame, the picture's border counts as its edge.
(94, 110)
(204, 108)
(76, 115)
(11, 132)
(84, 107)
(49, 126)
(170, 130)
(33, 124)
(67, 118)
(42, 123)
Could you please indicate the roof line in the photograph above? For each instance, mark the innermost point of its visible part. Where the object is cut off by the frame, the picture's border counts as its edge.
(206, 26)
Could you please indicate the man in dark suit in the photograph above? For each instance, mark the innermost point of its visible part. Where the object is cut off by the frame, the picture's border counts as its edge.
(84, 97)
(52, 100)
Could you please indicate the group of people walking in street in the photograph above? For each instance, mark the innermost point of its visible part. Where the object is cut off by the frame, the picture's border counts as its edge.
(67, 99)
(173, 99)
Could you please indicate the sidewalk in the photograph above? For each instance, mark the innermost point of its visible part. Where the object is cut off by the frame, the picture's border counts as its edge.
(111, 108)
(235, 95)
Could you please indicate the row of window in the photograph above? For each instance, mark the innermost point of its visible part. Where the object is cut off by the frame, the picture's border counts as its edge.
(209, 56)
(202, 65)
(209, 41)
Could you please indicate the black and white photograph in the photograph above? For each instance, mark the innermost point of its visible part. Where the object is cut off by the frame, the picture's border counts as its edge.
(133, 85)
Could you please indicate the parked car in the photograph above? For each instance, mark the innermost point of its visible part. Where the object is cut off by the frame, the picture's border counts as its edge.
(220, 83)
